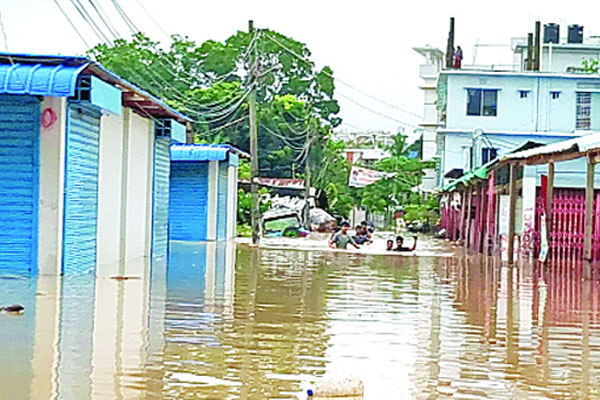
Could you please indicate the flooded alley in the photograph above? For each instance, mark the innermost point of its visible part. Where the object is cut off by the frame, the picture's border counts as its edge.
(229, 322)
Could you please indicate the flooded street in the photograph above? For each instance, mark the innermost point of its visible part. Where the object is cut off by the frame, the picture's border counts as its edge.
(236, 322)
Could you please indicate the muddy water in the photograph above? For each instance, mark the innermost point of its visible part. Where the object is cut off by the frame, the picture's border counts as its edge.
(226, 322)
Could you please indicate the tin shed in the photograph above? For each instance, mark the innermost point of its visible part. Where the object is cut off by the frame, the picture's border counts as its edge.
(203, 192)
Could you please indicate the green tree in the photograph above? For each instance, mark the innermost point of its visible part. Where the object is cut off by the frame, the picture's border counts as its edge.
(210, 82)
(395, 190)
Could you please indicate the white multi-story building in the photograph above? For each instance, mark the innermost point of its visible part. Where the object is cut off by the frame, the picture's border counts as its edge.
(434, 59)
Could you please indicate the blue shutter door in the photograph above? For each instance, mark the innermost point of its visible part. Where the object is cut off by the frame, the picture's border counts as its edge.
(19, 183)
(160, 211)
(81, 189)
(222, 209)
(188, 201)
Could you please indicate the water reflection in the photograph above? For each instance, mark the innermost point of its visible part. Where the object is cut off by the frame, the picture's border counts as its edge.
(224, 322)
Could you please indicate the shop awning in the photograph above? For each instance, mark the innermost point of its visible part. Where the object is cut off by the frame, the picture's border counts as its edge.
(39, 79)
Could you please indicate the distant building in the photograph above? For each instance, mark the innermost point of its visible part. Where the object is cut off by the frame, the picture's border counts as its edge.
(434, 61)
(366, 147)
(485, 114)
(477, 113)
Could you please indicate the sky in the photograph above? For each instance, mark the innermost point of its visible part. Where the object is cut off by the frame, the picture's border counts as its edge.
(369, 45)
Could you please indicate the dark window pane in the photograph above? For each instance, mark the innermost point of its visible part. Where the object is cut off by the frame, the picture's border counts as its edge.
(473, 102)
(490, 98)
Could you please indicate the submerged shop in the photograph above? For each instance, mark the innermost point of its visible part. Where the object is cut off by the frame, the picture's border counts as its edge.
(85, 163)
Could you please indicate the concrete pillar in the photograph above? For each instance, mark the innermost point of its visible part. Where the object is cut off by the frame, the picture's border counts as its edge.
(512, 212)
(528, 216)
(124, 183)
(549, 194)
(589, 208)
(52, 183)
(110, 194)
(212, 209)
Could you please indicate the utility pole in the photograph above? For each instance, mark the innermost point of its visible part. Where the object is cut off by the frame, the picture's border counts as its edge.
(255, 215)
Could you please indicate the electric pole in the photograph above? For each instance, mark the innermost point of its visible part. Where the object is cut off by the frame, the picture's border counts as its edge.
(255, 215)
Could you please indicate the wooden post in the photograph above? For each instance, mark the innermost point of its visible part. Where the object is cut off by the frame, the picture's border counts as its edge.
(511, 214)
(589, 206)
(549, 191)
(482, 217)
(463, 213)
(468, 220)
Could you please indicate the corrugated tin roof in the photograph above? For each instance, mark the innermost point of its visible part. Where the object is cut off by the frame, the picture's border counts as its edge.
(39, 79)
(199, 152)
(579, 144)
(54, 75)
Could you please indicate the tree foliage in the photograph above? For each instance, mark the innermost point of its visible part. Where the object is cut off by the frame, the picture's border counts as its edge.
(395, 190)
(210, 82)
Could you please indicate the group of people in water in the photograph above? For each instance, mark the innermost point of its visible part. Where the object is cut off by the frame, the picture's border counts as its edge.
(364, 236)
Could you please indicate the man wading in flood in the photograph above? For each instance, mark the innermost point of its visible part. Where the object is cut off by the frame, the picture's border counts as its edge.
(341, 239)
(400, 242)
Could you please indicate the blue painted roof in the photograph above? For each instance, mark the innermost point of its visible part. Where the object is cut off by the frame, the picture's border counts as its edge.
(199, 152)
(56, 75)
(39, 79)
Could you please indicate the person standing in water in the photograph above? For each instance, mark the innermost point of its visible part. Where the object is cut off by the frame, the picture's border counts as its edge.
(400, 242)
(341, 239)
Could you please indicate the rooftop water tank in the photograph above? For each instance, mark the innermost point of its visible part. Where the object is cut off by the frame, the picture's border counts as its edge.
(575, 34)
(551, 33)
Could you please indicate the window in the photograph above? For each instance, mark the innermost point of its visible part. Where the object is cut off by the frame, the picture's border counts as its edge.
(482, 102)
(488, 154)
(523, 94)
(584, 111)
(554, 95)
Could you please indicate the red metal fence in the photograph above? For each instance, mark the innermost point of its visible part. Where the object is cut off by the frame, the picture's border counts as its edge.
(567, 226)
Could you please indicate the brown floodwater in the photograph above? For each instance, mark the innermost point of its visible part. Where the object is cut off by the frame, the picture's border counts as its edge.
(227, 322)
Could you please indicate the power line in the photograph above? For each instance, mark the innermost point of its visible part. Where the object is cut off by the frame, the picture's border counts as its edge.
(3, 34)
(104, 18)
(292, 52)
(88, 19)
(72, 25)
(374, 111)
(152, 18)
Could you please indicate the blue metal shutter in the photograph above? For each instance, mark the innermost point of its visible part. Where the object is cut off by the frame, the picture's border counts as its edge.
(188, 201)
(81, 189)
(19, 183)
(222, 208)
(160, 211)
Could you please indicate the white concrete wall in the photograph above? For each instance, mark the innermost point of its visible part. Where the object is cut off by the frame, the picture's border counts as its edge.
(139, 186)
(537, 112)
(109, 192)
(232, 199)
(213, 192)
(51, 203)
